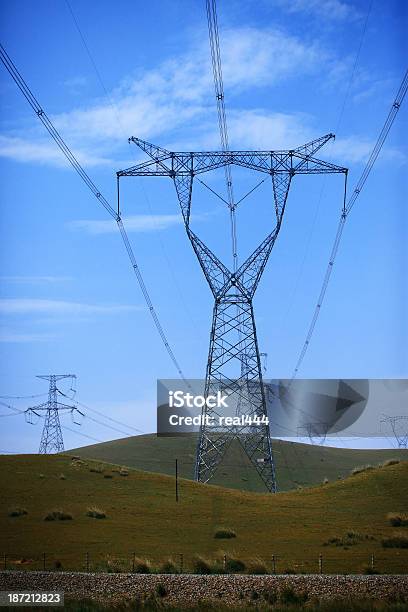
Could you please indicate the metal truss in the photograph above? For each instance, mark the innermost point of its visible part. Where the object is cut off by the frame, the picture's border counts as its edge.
(51, 438)
(234, 363)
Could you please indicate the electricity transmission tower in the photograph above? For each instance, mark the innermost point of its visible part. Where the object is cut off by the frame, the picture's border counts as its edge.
(234, 363)
(399, 426)
(51, 438)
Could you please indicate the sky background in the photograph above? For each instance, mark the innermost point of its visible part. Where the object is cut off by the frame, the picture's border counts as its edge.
(293, 71)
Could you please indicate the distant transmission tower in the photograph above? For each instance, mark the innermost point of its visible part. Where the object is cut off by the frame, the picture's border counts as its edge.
(399, 426)
(51, 438)
(234, 362)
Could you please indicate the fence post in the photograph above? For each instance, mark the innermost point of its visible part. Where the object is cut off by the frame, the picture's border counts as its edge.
(87, 561)
(320, 563)
(133, 562)
(43, 562)
(372, 561)
(273, 564)
(181, 563)
(225, 563)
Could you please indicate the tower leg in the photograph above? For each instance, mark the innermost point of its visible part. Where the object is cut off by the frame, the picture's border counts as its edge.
(233, 338)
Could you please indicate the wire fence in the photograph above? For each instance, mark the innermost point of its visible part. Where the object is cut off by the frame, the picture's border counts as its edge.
(210, 563)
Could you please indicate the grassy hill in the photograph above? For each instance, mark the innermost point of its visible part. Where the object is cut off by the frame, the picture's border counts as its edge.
(296, 464)
(142, 516)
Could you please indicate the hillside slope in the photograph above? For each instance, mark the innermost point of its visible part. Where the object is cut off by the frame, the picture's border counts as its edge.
(142, 516)
(296, 464)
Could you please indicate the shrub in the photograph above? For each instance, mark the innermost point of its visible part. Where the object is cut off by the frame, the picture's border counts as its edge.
(58, 515)
(116, 566)
(289, 570)
(97, 469)
(17, 512)
(161, 590)
(289, 597)
(95, 512)
(360, 469)
(225, 534)
(169, 567)
(254, 595)
(390, 462)
(202, 566)
(57, 565)
(233, 564)
(142, 566)
(107, 476)
(398, 519)
(397, 541)
(257, 566)
(350, 538)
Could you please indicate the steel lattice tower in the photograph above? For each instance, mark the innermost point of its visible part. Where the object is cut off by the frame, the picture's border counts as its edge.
(234, 359)
(51, 438)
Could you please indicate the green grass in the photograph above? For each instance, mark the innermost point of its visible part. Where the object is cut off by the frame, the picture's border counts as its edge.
(144, 518)
(296, 464)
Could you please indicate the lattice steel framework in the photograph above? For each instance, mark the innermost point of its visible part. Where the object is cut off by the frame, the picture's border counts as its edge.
(51, 438)
(234, 359)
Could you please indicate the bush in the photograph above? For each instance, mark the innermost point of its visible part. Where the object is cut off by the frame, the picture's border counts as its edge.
(361, 469)
(17, 512)
(58, 515)
(225, 534)
(257, 566)
(202, 566)
(57, 565)
(107, 476)
(95, 513)
(97, 469)
(116, 566)
(169, 567)
(233, 564)
(398, 519)
(289, 597)
(289, 570)
(350, 538)
(397, 541)
(142, 566)
(161, 590)
(390, 462)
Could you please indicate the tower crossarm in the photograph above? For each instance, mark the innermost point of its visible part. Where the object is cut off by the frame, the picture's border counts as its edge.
(306, 164)
(169, 163)
(310, 148)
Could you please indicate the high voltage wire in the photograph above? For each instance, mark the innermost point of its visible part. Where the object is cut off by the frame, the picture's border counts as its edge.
(33, 102)
(346, 211)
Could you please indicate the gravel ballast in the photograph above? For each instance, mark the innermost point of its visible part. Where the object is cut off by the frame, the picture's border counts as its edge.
(187, 589)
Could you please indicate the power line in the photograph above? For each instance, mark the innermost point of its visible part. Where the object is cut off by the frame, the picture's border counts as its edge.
(345, 212)
(33, 102)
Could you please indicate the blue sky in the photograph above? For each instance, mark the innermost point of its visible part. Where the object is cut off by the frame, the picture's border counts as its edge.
(69, 301)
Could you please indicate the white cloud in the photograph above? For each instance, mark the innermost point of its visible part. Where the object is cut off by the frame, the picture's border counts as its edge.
(45, 152)
(177, 94)
(336, 10)
(136, 223)
(58, 307)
